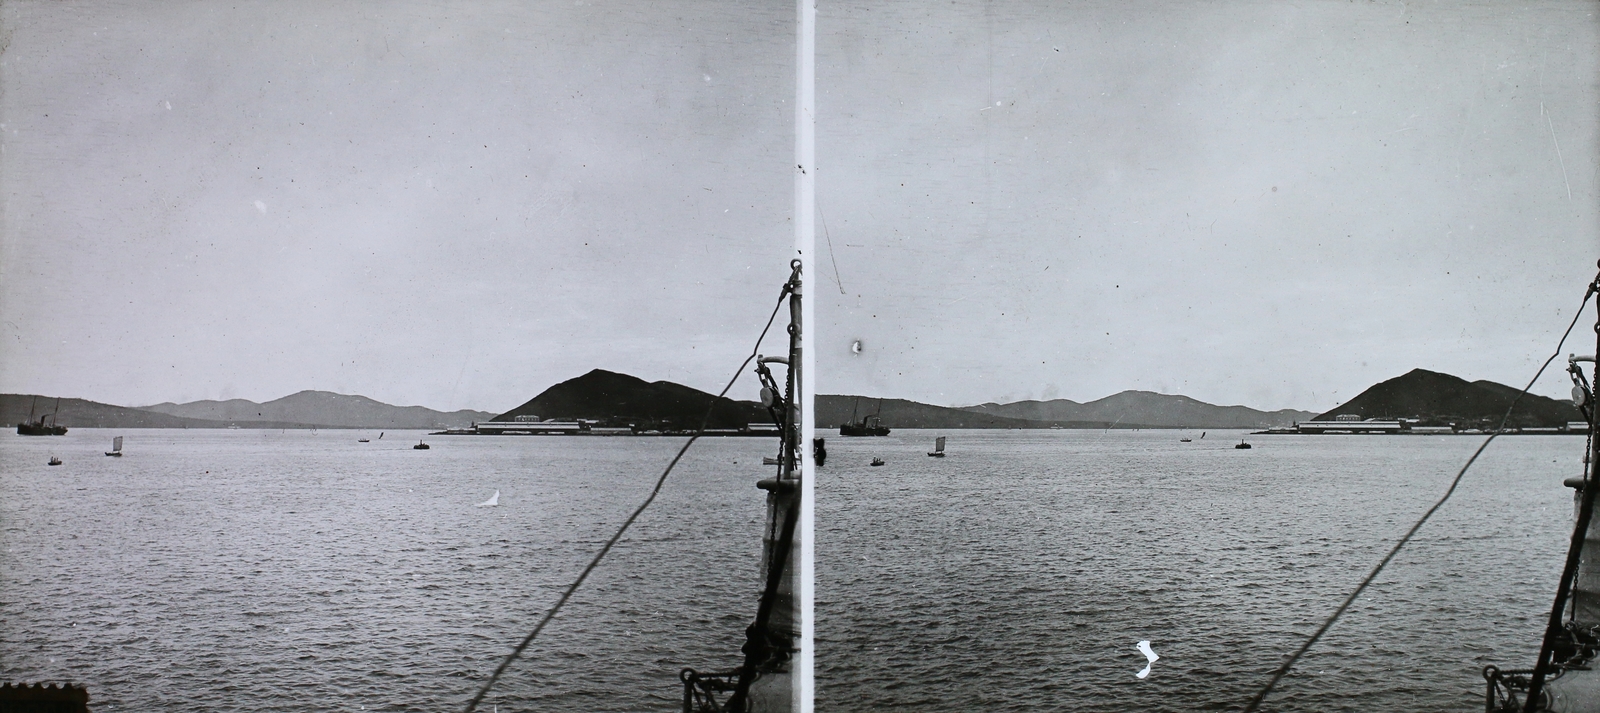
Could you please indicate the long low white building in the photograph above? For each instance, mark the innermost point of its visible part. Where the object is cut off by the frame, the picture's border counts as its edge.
(529, 427)
(1349, 427)
(588, 428)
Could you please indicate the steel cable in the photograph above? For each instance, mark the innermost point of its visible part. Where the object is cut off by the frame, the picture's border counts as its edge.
(520, 647)
(1284, 669)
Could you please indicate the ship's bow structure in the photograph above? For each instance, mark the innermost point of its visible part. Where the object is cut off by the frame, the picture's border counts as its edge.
(764, 681)
(1564, 679)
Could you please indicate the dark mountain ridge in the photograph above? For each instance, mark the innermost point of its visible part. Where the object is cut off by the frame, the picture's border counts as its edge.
(619, 399)
(615, 399)
(834, 410)
(82, 413)
(1145, 407)
(321, 408)
(1441, 399)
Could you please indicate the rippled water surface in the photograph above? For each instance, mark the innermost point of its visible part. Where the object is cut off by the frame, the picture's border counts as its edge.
(292, 571)
(1018, 573)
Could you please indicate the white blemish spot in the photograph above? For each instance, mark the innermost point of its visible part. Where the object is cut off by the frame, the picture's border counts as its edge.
(169, 106)
(261, 207)
(707, 76)
(1144, 648)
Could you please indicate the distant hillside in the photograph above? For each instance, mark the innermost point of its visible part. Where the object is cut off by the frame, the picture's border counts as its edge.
(1442, 399)
(81, 413)
(621, 400)
(899, 413)
(323, 409)
(1157, 410)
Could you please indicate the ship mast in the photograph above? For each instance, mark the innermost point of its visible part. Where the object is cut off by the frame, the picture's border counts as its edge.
(1557, 634)
(780, 640)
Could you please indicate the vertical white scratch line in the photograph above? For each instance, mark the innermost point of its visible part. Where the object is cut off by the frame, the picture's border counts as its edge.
(805, 244)
(829, 238)
(1559, 160)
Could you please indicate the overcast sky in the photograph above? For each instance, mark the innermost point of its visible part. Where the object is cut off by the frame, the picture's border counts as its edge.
(453, 205)
(458, 205)
(1269, 203)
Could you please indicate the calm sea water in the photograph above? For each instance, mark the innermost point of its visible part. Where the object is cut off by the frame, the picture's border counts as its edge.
(1018, 573)
(291, 571)
(273, 571)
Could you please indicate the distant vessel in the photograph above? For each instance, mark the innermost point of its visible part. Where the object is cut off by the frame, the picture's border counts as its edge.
(868, 426)
(116, 447)
(1241, 445)
(420, 446)
(938, 448)
(363, 440)
(41, 427)
(54, 461)
(877, 461)
(493, 501)
(1185, 440)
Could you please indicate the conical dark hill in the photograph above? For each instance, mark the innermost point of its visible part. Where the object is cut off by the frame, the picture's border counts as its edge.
(1442, 399)
(620, 400)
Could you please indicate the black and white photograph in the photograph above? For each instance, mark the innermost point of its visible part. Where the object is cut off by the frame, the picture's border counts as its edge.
(974, 355)
(1102, 273)
(343, 339)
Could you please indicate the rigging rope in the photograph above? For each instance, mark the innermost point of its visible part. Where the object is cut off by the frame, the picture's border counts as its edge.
(484, 691)
(1555, 631)
(1284, 669)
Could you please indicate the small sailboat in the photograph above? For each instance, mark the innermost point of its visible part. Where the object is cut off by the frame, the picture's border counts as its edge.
(363, 440)
(493, 501)
(421, 446)
(1241, 445)
(116, 447)
(54, 461)
(877, 462)
(938, 448)
(1185, 440)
